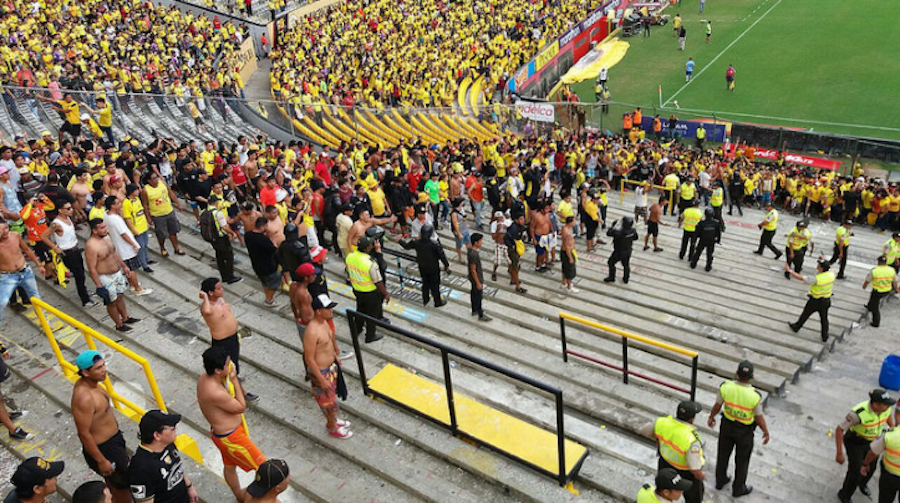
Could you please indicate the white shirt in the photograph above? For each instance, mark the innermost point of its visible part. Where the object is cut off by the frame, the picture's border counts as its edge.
(67, 240)
(704, 179)
(603, 73)
(117, 227)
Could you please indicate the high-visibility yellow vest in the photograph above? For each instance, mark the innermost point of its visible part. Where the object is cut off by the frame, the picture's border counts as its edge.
(883, 278)
(842, 236)
(823, 286)
(701, 133)
(718, 197)
(739, 402)
(675, 439)
(870, 424)
(891, 250)
(891, 453)
(773, 223)
(358, 265)
(692, 217)
(158, 199)
(798, 239)
(687, 190)
(647, 494)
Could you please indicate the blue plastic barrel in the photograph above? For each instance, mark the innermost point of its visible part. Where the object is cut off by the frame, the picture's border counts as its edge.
(890, 373)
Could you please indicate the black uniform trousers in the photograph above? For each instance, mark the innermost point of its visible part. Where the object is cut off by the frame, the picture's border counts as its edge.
(737, 437)
(431, 286)
(75, 262)
(369, 303)
(687, 237)
(684, 204)
(224, 257)
(857, 448)
(814, 305)
(718, 216)
(476, 296)
(620, 256)
(836, 256)
(874, 306)
(736, 201)
(692, 495)
(888, 487)
(797, 263)
(709, 246)
(765, 241)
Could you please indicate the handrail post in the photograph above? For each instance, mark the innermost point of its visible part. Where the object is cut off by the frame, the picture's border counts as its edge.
(562, 333)
(560, 439)
(448, 384)
(49, 333)
(694, 377)
(354, 336)
(625, 360)
(622, 191)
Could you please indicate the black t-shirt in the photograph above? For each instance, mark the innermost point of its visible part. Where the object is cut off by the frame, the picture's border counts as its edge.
(262, 253)
(158, 476)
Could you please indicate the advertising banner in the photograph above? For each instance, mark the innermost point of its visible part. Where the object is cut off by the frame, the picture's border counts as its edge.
(815, 162)
(543, 112)
(688, 129)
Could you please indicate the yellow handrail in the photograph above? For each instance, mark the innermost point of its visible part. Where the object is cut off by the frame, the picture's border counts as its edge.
(635, 182)
(628, 335)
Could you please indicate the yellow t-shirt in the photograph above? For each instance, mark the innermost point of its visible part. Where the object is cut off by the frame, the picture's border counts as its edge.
(133, 211)
(158, 199)
(73, 114)
(377, 199)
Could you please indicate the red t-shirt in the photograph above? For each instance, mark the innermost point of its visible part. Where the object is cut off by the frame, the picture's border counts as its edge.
(323, 172)
(267, 196)
(238, 175)
(413, 180)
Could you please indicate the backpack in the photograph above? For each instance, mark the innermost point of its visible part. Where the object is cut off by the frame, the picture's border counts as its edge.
(209, 231)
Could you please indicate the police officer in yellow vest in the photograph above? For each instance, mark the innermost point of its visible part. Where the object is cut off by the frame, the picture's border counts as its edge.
(891, 250)
(768, 226)
(863, 425)
(741, 407)
(820, 289)
(701, 135)
(799, 240)
(689, 218)
(687, 193)
(884, 281)
(680, 447)
(368, 285)
(841, 245)
(670, 485)
(889, 483)
(717, 200)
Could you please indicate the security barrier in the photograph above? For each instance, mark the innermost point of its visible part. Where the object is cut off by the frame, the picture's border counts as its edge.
(184, 442)
(626, 336)
(543, 450)
(635, 182)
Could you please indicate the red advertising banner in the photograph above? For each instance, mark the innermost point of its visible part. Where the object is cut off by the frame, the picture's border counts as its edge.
(815, 162)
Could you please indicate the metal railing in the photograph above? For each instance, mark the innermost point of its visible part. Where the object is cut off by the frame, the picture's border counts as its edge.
(133, 411)
(626, 336)
(561, 476)
(661, 189)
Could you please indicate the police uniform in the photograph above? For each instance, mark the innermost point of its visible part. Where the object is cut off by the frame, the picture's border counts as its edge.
(681, 449)
(798, 241)
(889, 483)
(717, 200)
(740, 404)
(820, 290)
(882, 278)
(769, 225)
(364, 276)
(687, 192)
(862, 426)
(690, 218)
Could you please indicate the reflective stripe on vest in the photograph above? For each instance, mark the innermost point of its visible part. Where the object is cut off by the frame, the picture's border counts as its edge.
(358, 266)
(772, 224)
(692, 217)
(798, 239)
(718, 197)
(687, 190)
(870, 424)
(883, 278)
(891, 452)
(892, 250)
(647, 494)
(675, 439)
(823, 286)
(739, 402)
(842, 236)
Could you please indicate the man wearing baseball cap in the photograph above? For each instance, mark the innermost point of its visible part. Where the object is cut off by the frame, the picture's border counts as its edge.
(156, 471)
(680, 447)
(34, 480)
(864, 424)
(741, 407)
(669, 488)
(102, 442)
(272, 479)
(320, 355)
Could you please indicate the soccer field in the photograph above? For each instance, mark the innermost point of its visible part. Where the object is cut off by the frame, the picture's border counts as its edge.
(830, 65)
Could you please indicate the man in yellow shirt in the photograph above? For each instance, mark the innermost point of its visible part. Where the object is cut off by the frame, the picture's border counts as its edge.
(133, 213)
(68, 107)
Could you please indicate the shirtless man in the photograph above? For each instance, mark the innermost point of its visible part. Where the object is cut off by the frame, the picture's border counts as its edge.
(275, 227)
(568, 256)
(13, 271)
(301, 304)
(321, 359)
(223, 326)
(102, 442)
(653, 222)
(248, 215)
(109, 273)
(540, 232)
(80, 191)
(222, 403)
(362, 225)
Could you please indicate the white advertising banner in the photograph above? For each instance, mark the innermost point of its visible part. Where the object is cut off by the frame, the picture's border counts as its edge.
(543, 112)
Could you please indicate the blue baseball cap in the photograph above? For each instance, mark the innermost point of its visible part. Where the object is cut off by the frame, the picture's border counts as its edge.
(87, 359)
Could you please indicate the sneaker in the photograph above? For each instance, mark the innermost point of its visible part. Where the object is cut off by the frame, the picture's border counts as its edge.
(20, 434)
(574, 290)
(343, 423)
(646, 248)
(19, 308)
(344, 354)
(90, 303)
(251, 397)
(374, 338)
(16, 414)
(131, 320)
(341, 432)
(144, 291)
(609, 280)
(151, 262)
(236, 279)
(148, 270)
(124, 328)
(494, 277)
(484, 317)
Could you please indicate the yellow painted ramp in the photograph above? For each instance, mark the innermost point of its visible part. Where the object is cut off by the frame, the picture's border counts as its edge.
(508, 434)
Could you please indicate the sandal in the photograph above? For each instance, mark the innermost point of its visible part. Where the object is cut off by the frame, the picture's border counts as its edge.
(164, 253)
(180, 252)
(521, 290)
